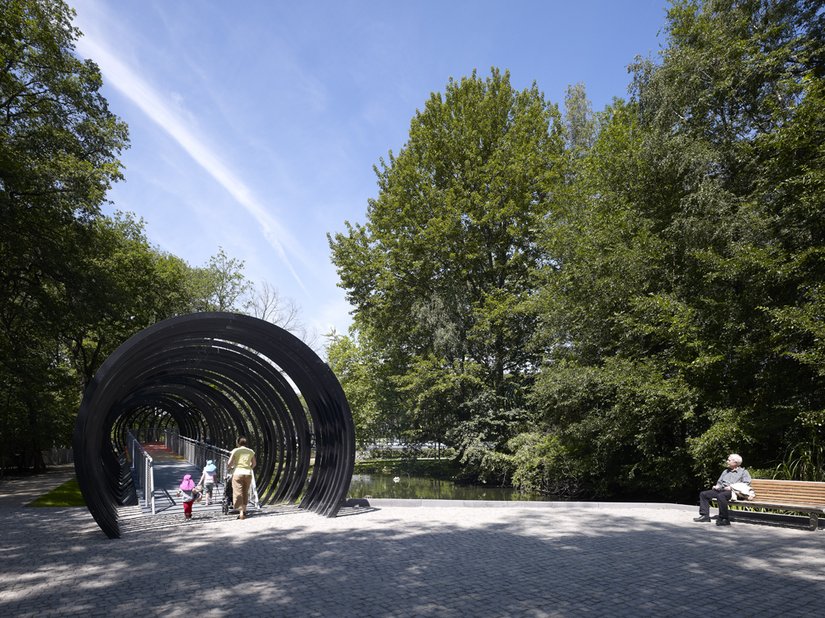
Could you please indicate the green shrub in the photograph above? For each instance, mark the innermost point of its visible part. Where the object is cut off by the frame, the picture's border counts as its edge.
(541, 464)
(803, 462)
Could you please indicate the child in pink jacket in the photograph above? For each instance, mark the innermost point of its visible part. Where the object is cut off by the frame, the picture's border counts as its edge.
(187, 490)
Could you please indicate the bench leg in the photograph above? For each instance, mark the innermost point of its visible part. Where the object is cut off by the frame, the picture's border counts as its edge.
(814, 521)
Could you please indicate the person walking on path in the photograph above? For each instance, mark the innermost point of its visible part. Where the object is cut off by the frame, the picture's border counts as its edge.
(735, 473)
(207, 480)
(241, 462)
(187, 490)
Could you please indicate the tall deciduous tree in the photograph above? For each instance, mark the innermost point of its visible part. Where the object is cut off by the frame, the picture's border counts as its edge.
(59, 147)
(267, 303)
(687, 255)
(439, 272)
(125, 286)
(73, 283)
(741, 83)
(221, 285)
(363, 382)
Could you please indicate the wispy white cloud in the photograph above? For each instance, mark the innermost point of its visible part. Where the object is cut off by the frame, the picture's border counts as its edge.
(149, 100)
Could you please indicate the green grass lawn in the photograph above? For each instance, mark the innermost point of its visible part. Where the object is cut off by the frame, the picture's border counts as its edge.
(67, 494)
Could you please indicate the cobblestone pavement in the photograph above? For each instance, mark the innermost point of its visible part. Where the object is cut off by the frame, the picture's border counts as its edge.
(391, 560)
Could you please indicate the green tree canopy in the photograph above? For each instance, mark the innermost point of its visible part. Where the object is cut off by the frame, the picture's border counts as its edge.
(221, 285)
(74, 284)
(59, 148)
(439, 272)
(686, 250)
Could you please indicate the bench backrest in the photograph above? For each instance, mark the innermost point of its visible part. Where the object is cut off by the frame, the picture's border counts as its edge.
(789, 492)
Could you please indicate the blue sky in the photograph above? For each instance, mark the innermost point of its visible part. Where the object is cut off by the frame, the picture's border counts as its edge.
(255, 125)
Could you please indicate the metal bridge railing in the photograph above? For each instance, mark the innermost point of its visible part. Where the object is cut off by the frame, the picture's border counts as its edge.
(142, 471)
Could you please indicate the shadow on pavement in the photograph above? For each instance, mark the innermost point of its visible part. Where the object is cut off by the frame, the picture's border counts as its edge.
(410, 562)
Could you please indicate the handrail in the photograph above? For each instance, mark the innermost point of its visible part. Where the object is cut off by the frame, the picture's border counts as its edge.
(145, 476)
(198, 452)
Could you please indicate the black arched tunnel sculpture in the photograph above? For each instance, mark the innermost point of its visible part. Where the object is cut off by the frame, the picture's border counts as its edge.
(218, 376)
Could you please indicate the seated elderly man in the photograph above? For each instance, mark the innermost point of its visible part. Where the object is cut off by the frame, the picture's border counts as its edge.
(722, 490)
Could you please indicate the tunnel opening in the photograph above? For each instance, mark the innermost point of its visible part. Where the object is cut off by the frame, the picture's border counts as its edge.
(212, 377)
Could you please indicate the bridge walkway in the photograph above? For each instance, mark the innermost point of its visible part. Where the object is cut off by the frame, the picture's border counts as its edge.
(169, 469)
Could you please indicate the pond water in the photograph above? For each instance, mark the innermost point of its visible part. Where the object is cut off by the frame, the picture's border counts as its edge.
(385, 486)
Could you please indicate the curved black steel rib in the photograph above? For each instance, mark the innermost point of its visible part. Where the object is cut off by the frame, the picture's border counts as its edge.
(220, 375)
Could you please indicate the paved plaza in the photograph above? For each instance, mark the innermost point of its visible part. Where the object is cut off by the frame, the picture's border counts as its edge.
(412, 560)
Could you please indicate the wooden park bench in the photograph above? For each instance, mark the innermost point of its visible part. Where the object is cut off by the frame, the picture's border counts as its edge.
(796, 496)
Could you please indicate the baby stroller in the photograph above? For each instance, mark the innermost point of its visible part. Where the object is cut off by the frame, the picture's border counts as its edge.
(227, 502)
